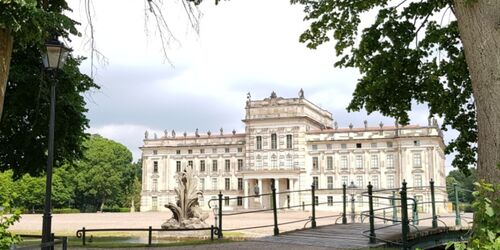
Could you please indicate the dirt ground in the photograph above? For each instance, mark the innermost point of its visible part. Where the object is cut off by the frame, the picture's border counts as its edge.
(68, 224)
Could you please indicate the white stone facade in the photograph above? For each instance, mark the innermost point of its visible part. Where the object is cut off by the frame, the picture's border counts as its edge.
(295, 143)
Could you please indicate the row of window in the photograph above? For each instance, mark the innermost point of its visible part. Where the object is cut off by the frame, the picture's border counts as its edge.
(388, 144)
(202, 151)
(359, 162)
(215, 184)
(274, 142)
(227, 165)
(359, 181)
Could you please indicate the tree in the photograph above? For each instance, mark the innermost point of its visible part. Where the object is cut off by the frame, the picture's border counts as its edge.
(7, 188)
(23, 130)
(104, 175)
(410, 53)
(464, 183)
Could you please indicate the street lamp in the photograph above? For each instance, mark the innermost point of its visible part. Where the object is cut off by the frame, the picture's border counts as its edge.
(352, 187)
(53, 60)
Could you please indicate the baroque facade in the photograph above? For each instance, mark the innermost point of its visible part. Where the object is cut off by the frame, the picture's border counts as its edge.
(294, 143)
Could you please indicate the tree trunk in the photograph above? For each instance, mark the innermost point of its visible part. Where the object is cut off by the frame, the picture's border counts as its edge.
(6, 41)
(479, 26)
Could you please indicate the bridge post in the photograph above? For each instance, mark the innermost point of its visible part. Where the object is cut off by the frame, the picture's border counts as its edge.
(433, 204)
(415, 210)
(275, 211)
(372, 214)
(457, 206)
(344, 217)
(220, 216)
(394, 208)
(313, 219)
(404, 216)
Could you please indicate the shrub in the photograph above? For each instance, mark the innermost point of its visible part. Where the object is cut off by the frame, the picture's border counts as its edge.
(65, 211)
(7, 239)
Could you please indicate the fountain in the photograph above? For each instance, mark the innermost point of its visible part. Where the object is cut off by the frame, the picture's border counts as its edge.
(186, 213)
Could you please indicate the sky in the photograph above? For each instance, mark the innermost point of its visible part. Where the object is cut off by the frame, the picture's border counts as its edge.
(242, 46)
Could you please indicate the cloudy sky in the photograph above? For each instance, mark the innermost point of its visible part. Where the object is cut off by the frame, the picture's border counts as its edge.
(243, 46)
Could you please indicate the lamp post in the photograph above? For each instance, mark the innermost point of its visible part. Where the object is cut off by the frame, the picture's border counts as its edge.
(353, 187)
(53, 60)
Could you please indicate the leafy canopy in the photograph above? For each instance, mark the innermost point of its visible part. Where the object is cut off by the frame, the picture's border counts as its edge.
(407, 53)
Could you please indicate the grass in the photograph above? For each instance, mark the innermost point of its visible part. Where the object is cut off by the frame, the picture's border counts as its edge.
(130, 240)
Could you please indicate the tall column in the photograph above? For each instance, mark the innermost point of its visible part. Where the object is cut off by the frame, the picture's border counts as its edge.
(245, 193)
(277, 186)
(259, 183)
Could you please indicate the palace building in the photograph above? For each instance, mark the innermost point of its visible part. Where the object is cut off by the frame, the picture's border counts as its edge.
(293, 143)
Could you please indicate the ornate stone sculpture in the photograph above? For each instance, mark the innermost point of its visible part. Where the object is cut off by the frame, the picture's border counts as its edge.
(146, 135)
(173, 133)
(165, 133)
(234, 132)
(336, 125)
(209, 133)
(273, 95)
(381, 125)
(350, 126)
(196, 133)
(366, 124)
(221, 131)
(186, 213)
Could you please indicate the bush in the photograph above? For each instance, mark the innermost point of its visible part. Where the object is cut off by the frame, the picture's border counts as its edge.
(65, 211)
(116, 209)
(8, 239)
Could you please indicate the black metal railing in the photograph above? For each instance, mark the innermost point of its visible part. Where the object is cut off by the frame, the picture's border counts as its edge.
(82, 233)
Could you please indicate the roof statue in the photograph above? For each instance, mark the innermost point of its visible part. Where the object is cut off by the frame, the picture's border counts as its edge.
(221, 131)
(146, 135)
(273, 95)
(336, 125)
(381, 124)
(301, 93)
(209, 133)
(234, 132)
(350, 125)
(165, 132)
(196, 133)
(366, 124)
(173, 133)
(185, 134)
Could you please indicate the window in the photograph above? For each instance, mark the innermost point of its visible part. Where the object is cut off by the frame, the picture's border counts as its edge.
(202, 165)
(345, 180)
(390, 161)
(343, 146)
(214, 165)
(315, 182)
(240, 150)
(329, 163)
(389, 144)
(288, 141)
(240, 183)
(417, 180)
(417, 160)
(177, 152)
(226, 201)
(239, 201)
(416, 143)
(202, 183)
(287, 184)
(374, 145)
(177, 166)
(214, 183)
(240, 164)
(315, 163)
(359, 161)
(226, 150)
(190, 151)
(274, 161)
(374, 161)
(316, 200)
(227, 184)
(315, 147)
(375, 181)
(227, 165)
(274, 144)
(190, 164)
(390, 181)
(155, 185)
(259, 161)
(329, 182)
(259, 142)
(155, 152)
(202, 150)
(155, 167)
(330, 200)
(289, 161)
(358, 145)
(343, 162)
(359, 181)
(214, 150)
